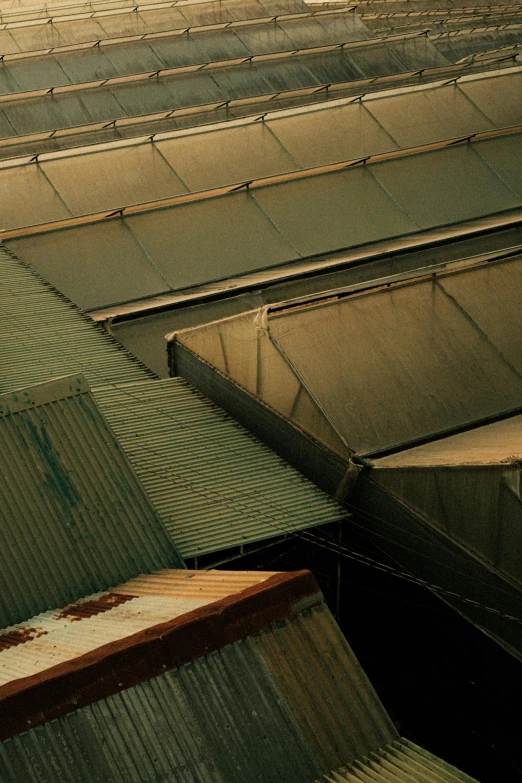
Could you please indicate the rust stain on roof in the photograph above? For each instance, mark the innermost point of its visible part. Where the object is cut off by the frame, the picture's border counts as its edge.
(19, 636)
(82, 609)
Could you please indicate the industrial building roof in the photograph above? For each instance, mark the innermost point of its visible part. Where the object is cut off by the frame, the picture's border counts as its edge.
(271, 221)
(399, 761)
(251, 680)
(73, 516)
(120, 174)
(46, 31)
(65, 633)
(440, 351)
(176, 440)
(180, 46)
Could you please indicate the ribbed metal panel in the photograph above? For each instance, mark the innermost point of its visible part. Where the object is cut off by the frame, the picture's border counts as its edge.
(43, 336)
(73, 517)
(213, 484)
(399, 762)
(231, 715)
(61, 635)
(327, 674)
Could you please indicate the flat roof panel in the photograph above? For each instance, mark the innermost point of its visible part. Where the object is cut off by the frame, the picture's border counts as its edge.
(332, 134)
(444, 187)
(424, 116)
(498, 98)
(136, 174)
(27, 198)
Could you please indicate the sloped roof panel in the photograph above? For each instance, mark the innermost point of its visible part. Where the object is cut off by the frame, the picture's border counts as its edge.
(497, 98)
(401, 760)
(498, 443)
(422, 358)
(74, 518)
(97, 250)
(241, 711)
(211, 492)
(303, 216)
(475, 187)
(179, 442)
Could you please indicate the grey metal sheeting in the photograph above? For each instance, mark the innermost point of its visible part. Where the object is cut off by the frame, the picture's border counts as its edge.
(213, 484)
(221, 718)
(95, 26)
(103, 61)
(73, 517)
(399, 761)
(66, 107)
(97, 178)
(140, 255)
(432, 350)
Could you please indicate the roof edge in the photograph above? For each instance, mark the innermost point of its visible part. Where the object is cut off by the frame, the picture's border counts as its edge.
(43, 393)
(64, 688)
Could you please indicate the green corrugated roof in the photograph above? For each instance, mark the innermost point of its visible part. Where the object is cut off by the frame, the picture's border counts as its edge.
(212, 483)
(74, 519)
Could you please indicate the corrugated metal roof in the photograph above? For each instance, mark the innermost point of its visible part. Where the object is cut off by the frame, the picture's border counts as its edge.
(400, 761)
(211, 482)
(64, 184)
(99, 619)
(74, 518)
(229, 715)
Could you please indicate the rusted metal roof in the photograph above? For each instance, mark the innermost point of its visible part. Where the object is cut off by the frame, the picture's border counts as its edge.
(257, 685)
(73, 516)
(85, 625)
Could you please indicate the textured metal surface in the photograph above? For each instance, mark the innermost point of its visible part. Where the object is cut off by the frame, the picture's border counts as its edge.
(225, 717)
(213, 485)
(400, 761)
(97, 178)
(81, 627)
(73, 517)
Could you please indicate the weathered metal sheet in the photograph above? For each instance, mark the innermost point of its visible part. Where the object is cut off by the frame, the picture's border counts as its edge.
(212, 483)
(401, 760)
(229, 714)
(57, 636)
(73, 517)
(178, 441)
